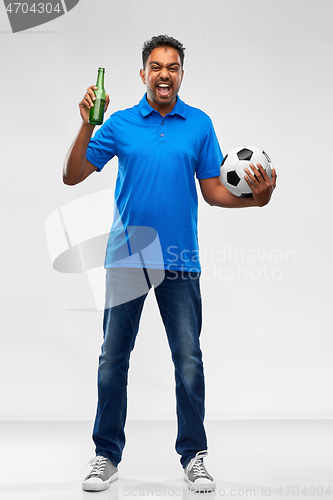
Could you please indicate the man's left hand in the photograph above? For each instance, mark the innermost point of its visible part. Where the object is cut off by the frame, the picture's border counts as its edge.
(262, 187)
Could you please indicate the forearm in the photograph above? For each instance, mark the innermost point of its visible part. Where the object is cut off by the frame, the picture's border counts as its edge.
(75, 162)
(221, 197)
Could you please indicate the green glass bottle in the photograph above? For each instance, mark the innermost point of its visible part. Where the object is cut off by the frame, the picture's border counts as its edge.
(96, 114)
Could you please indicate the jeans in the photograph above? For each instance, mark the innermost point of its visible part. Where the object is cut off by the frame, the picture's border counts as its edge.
(179, 301)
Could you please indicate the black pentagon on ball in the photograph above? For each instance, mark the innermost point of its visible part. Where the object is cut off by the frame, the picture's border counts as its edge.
(245, 154)
(224, 159)
(232, 178)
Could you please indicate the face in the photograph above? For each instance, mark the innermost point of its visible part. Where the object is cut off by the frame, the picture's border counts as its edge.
(162, 76)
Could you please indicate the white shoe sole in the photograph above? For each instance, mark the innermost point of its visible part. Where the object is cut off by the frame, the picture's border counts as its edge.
(100, 486)
(200, 487)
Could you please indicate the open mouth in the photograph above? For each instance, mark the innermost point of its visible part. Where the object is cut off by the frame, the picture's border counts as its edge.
(164, 89)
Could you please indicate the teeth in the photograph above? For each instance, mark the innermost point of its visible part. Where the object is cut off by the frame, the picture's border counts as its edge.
(163, 85)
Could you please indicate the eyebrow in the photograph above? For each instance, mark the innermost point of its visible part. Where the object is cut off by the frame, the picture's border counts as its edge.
(159, 64)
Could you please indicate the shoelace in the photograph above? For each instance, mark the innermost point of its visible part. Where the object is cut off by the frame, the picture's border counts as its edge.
(197, 465)
(98, 464)
(199, 469)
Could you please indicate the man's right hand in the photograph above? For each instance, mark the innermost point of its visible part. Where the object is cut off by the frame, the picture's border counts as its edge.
(88, 102)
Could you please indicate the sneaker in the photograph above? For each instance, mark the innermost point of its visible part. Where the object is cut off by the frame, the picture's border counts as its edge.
(102, 474)
(196, 475)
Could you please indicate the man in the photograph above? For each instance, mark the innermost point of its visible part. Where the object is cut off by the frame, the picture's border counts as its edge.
(161, 144)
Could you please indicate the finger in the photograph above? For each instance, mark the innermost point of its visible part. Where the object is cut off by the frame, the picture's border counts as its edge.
(274, 177)
(91, 91)
(86, 102)
(251, 183)
(107, 102)
(255, 172)
(247, 179)
(251, 175)
(262, 172)
(90, 95)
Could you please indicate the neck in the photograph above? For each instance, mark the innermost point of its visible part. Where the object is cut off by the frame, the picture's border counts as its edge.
(163, 109)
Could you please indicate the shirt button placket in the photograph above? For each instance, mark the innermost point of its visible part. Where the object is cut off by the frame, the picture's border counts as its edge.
(161, 132)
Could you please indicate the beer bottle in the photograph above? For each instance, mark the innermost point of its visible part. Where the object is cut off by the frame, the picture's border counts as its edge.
(96, 114)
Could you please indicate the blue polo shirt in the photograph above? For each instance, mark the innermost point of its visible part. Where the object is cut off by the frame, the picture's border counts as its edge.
(158, 160)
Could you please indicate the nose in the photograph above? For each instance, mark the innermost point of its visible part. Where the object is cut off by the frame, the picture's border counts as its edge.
(164, 73)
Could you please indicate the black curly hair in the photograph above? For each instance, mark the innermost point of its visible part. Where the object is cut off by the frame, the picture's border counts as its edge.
(162, 41)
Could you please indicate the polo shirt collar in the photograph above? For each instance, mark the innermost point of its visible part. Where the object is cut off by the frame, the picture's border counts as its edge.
(178, 109)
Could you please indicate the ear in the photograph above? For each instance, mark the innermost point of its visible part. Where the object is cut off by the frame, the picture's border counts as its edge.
(143, 76)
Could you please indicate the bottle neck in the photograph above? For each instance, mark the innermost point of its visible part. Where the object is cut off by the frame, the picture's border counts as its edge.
(100, 79)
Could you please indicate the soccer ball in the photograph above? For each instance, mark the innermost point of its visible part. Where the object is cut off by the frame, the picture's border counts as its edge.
(234, 163)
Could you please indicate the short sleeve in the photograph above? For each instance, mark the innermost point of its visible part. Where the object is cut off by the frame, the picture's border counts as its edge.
(101, 147)
(211, 156)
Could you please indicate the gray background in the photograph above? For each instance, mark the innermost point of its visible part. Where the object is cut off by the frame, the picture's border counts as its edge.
(262, 70)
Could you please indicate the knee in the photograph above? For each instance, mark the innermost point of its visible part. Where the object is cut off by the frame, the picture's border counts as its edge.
(111, 367)
(189, 366)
